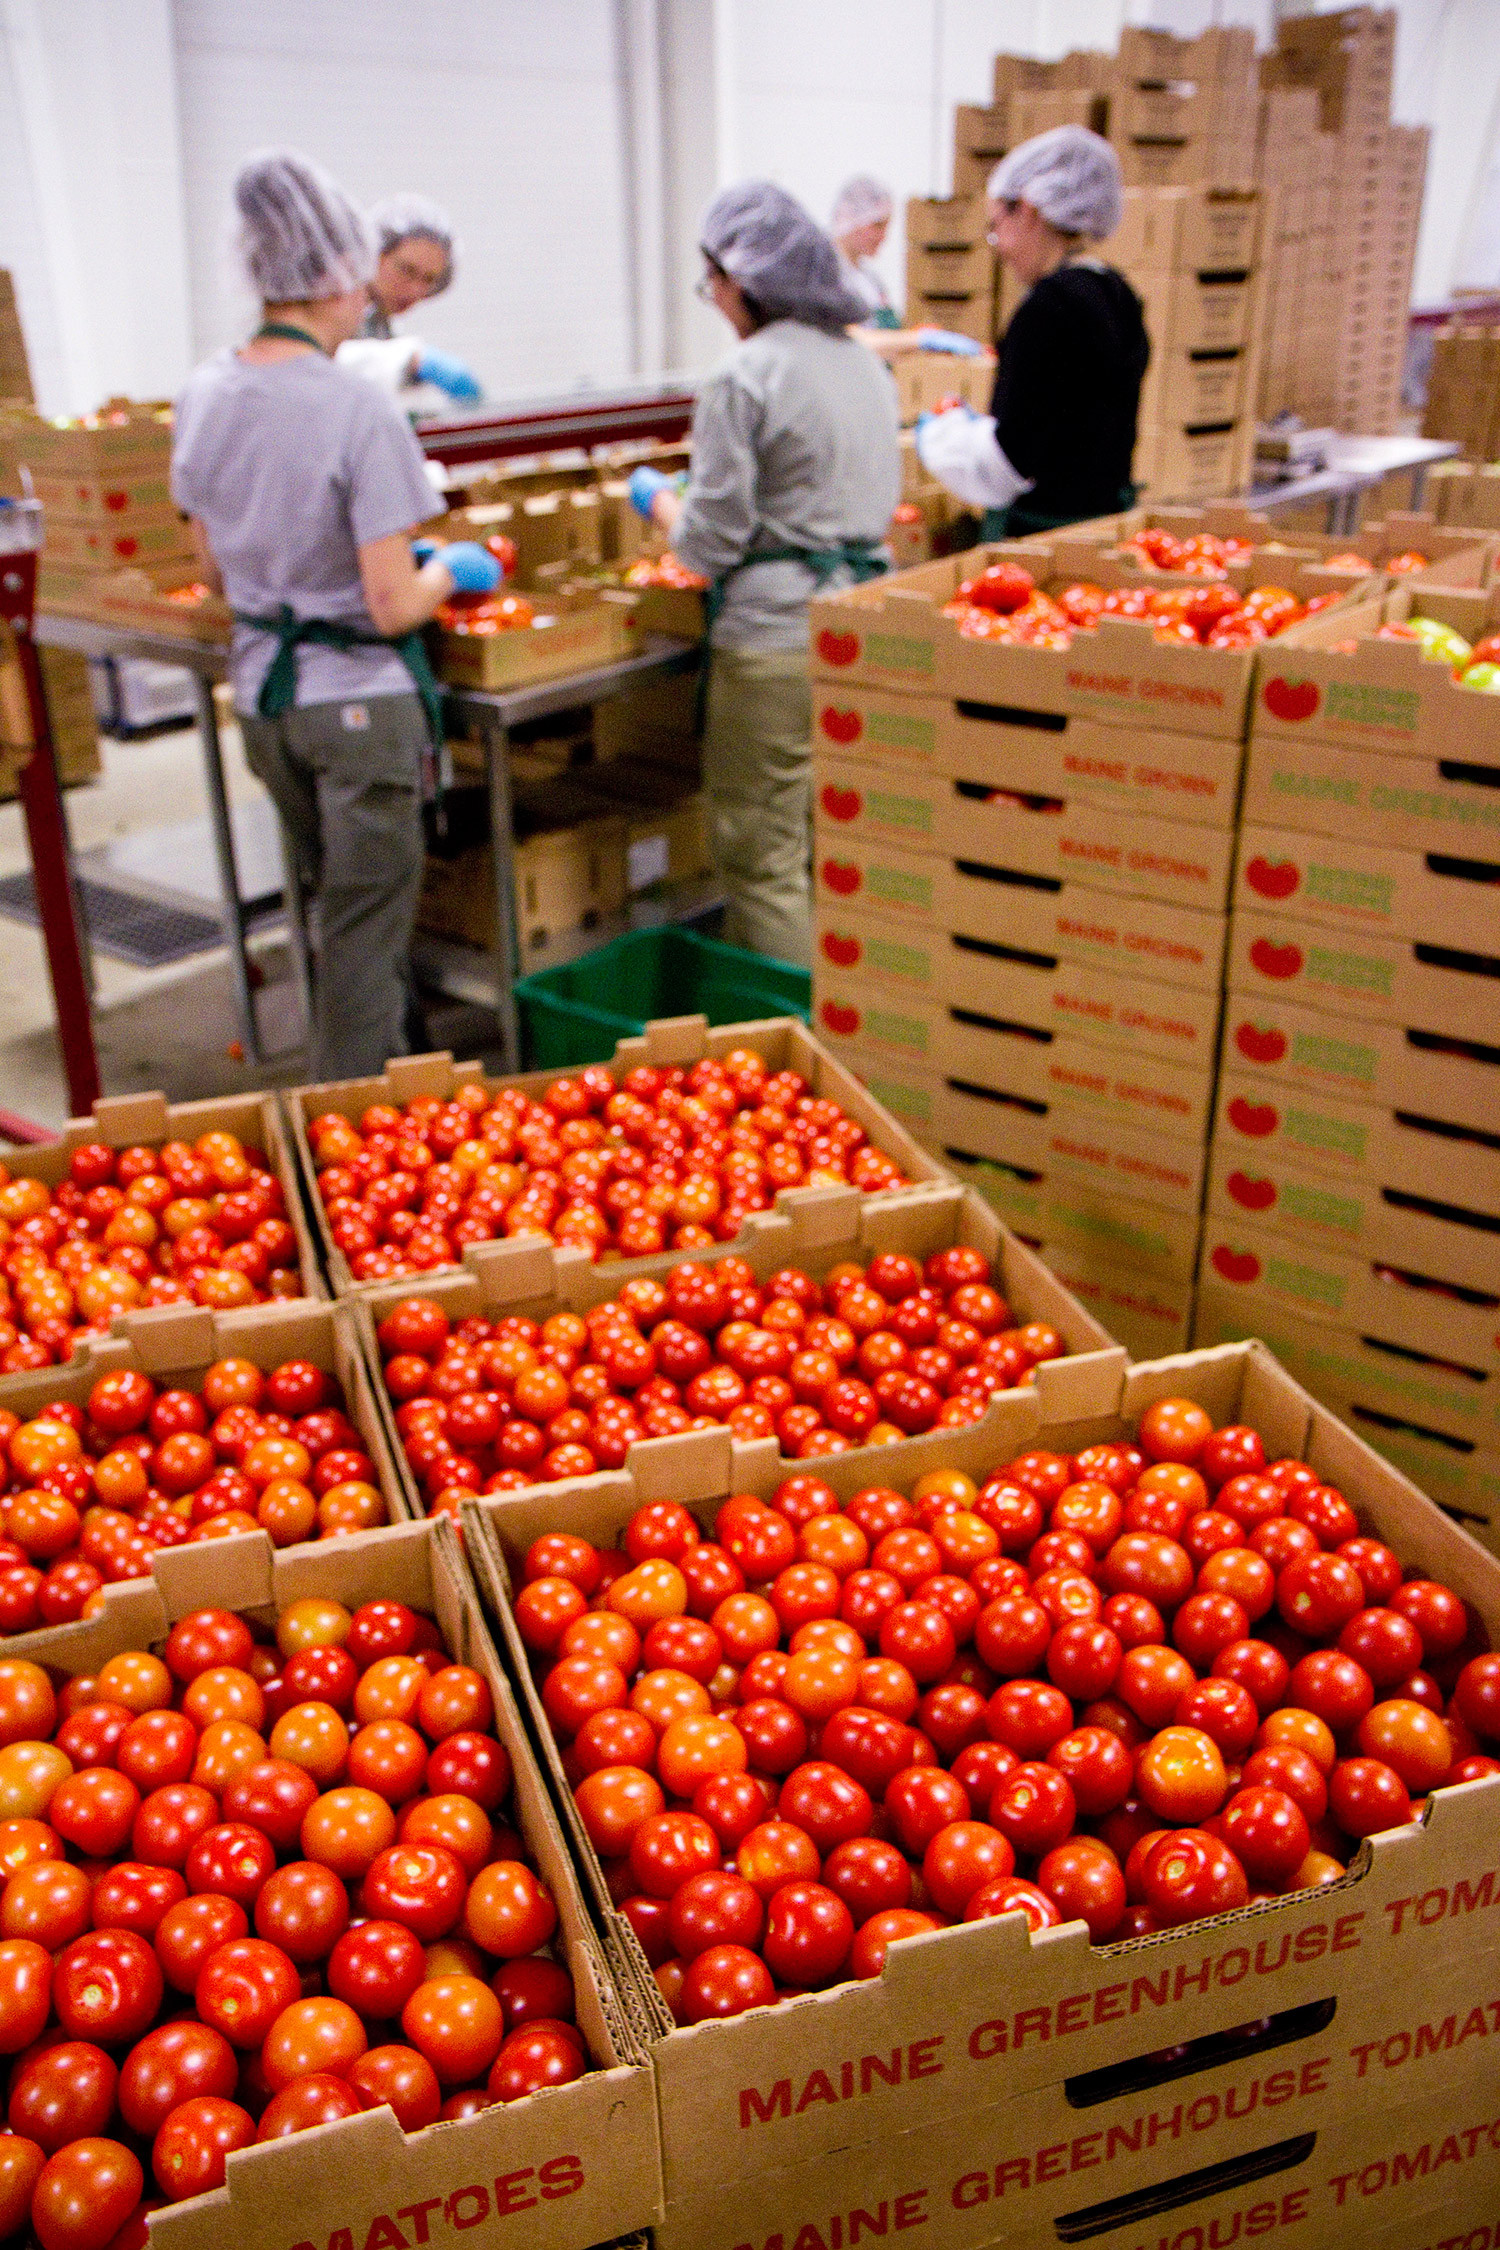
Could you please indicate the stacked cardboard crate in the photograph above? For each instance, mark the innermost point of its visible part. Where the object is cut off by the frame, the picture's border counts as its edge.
(950, 267)
(104, 482)
(1182, 112)
(15, 369)
(1021, 866)
(1191, 253)
(1357, 268)
(1354, 1183)
(1463, 390)
(1465, 492)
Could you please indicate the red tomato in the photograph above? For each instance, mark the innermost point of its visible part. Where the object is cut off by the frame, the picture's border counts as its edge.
(85, 2193)
(189, 2151)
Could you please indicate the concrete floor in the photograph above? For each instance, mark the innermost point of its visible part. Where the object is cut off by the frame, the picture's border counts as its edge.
(172, 1028)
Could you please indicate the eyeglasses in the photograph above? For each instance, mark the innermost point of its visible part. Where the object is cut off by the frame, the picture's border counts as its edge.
(703, 287)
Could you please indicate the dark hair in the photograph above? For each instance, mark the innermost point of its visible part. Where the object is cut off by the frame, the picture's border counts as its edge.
(757, 311)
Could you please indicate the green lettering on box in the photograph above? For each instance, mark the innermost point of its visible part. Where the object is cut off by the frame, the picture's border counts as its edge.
(1350, 886)
(1477, 811)
(1320, 1207)
(1322, 788)
(1334, 1058)
(1360, 704)
(1306, 1283)
(900, 812)
(897, 1030)
(900, 652)
(1108, 1230)
(914, 1102)
(1333, 1136)
(1013, 1198)
(1351, 972)
(898, 887)
(908, 961)
(893, 730)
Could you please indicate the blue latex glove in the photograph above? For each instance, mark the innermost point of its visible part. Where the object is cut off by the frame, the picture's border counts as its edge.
(644, 486)
(475, 570)
(422, 551)
(949, 340)
(449, 374)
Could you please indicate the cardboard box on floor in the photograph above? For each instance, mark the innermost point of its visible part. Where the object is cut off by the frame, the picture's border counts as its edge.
(580, 2161)
(1439, 898)
(915, 964)
(891, 633)
(1188, 777)
(70, 714)
(1429, 1071)
(175, 1345)
(969, 1045)
(1106, 1230)
(563, 878)
(1389, 980)
(535, 1279)
(782, 1041)
(119, 1121)
(954, 2079)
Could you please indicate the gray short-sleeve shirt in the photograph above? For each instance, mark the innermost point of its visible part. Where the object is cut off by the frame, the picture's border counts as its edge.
(292, 467)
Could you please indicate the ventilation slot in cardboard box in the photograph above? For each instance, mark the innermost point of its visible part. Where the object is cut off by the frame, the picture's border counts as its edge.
(1215, 2047)
(1188, 2187)
(1011, 875)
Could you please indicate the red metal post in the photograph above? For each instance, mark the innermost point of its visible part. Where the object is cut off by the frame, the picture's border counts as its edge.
(41, 801)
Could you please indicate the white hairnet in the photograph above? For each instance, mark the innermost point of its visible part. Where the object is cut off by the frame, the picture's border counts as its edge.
(860, 202)
(300, 236)
(399, 217)
(779, 255)
(1069, 175)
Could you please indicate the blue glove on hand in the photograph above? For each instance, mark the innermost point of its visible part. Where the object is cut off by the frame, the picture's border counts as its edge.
(644, 486)
(474, 568)
(949, 340)
(449, 374)
(422, 551)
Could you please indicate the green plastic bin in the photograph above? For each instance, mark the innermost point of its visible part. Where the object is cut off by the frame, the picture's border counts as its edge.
(575, 1014)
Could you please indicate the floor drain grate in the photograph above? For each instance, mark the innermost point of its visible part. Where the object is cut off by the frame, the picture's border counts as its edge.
(138, 930)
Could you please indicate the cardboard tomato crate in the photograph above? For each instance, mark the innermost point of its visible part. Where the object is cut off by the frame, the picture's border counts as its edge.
(1439, 1074)
(1444, 897)
(976, 1044)
(531, 1277)
(143, 597)
(915, 962)
(1380, 695)
(783, 1041)
(1151, 1315)
(1390, 980)
(1060, 917)
(1129, 768)
(176, 1344)
(1382, 799)
(1352, 1144)
(579, 2161)
(1441, 1227)
(972, 2056)
(1056, 1139)
(1112, 1231)
(891, 633)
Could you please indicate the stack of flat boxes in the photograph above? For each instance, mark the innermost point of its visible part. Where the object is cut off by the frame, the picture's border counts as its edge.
(1354, 1183)
(1183, 112)
(1021, 868)
(105, 487)
(1191, 253)
(1295, 173)
(950, 267)
(1378, 172)
(1463, 391)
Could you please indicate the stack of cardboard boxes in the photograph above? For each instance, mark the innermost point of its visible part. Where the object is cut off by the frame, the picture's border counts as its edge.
(1354, 1184)
(1191, 253)
(15, 369)
(950, 267)
(1182, 112)
(1343, 244)
(1463, 391)
(1021, 871)
(104, 482)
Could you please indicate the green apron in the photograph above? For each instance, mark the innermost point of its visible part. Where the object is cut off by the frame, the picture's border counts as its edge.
(883, 318)
(856, 555)
(1019, 522)
(278, 690)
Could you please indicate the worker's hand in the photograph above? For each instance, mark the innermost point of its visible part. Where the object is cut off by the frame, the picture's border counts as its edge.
(473, 569)
(644, 486)
(948, 340)
(449, 374)
(422, 551)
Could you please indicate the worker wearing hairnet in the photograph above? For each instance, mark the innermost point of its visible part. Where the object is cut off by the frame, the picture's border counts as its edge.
(415, 256)
(861, 217)
(795, 472)
(305, 486)
(1056, 445)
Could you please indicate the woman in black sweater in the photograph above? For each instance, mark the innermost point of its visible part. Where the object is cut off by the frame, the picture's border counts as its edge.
(1057, 444)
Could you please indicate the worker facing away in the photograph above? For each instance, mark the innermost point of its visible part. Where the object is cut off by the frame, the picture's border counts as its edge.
(305, 486)
(861, 220)
(795, 472)
(415, 258)
(1056, 446)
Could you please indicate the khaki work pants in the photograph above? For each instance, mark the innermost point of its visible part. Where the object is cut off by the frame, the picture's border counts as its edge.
(346, 781)
(757, 777)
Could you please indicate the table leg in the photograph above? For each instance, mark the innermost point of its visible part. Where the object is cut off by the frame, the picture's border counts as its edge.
(231, 905)
(63, 928)
(497, 754)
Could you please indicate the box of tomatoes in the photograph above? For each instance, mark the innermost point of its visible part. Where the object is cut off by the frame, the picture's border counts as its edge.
(1064, 1840)
(773, 1080)
(340, 1987)
(175, 1431)
(149, 1202)
(823, 1337)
